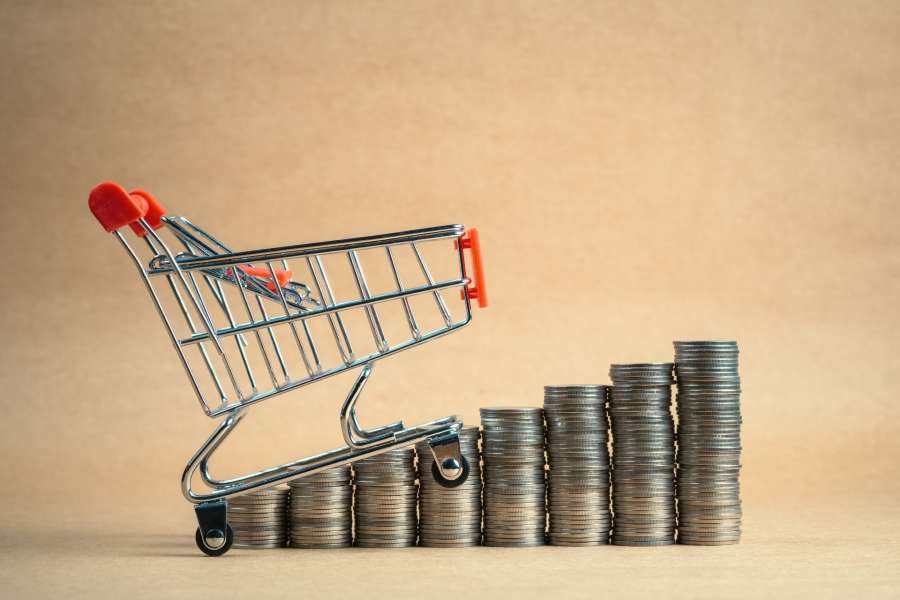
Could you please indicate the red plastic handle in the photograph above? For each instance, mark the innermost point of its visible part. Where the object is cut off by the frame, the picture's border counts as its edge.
(153, 216)
(282, 275)
(115, 208)
(478, 290)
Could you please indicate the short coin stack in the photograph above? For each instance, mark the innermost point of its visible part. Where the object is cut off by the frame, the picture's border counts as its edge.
(709, 443)
(385, 503)
(259, 519)
(643, 454)
(450, 517)
(320, 510)
(578, 490)
(514, 488)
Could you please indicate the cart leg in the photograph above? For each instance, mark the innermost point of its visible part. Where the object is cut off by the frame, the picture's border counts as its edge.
(214, 535)
(354, 434)
(450, 468)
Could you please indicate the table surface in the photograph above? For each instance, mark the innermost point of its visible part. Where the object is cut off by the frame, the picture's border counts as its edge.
(827, 551)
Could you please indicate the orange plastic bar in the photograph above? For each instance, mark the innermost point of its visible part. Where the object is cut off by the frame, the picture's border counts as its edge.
(284, 276)
(478, 289)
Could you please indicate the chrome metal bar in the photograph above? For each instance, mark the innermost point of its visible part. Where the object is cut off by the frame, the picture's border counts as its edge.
(287, 314)
(374, 322)
(312, 344)
(346, 356)
(275, 321)
(347, 410)
(197, 302)
(183, 227)
(191, 246)
(262, 348)
(237, 342)
(340, 369)
(437, 295)
(350, 427)
(166, 323)
(271, 330)
(410, 317)
(179, 272)
(301, 250)
(215, 287)
(297, 468)
(331, 300)
(374, 432)
(190, 321)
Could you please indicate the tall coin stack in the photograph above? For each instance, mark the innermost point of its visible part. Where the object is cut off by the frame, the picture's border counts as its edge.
(514, 488)
(320, 510)
(578, 489)
(709, 443)
(643, 454)
(450, 517)
(259, 519)
(385, 502)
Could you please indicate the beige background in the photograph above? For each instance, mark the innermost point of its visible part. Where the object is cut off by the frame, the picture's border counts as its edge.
(640, 172)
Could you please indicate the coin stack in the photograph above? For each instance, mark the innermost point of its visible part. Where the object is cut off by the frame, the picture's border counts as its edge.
(450, 517)
(385, 501)
(578, 480)
(709, 443)
(643, 454)
(320, 510)
(514, 489)
(259, 519)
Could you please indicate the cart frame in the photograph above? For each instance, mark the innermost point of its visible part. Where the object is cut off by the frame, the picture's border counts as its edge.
(194, 279)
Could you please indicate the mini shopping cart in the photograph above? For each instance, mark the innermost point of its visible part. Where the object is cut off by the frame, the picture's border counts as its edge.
(251, 325)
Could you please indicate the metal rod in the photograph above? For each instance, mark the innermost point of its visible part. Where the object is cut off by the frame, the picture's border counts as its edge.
(166, 323)
(300, 250)
(437, 295)
(346, 356)
(273, 339)
(236, 341)
(287, 313)
(331, 300)
(190, 321)
(363, 287)
(297, 468)
(348, 409)
(274, 321)
(309, 337)
(292, 385)
(259, 341)
(410, 317)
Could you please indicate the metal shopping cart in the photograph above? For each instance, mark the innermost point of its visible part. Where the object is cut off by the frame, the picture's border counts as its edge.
(249, 325)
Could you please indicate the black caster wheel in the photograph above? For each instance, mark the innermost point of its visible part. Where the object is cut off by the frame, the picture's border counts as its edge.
(450, 483)
(211, 549)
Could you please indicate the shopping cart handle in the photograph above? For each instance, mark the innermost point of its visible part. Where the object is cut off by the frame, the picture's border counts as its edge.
(283, 276)
(114, 208)
(478, 291)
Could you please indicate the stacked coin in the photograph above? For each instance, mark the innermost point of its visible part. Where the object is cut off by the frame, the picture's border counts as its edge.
(577, 452)
(643, 454)
(709, 442)
(385, 500)
(259, 519)
(450, 517)
(320, 510)
(514, 489)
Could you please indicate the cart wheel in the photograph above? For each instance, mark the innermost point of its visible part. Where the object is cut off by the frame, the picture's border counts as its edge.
(222, 548)
(450, 483)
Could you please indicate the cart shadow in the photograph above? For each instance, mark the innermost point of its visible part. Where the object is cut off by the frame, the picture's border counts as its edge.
(161, 545)
(172, 546)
